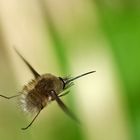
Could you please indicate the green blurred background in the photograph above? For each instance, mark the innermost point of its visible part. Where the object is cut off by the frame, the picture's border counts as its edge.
(66, 37)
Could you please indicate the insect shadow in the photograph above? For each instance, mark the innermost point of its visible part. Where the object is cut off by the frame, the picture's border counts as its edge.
(42, 90)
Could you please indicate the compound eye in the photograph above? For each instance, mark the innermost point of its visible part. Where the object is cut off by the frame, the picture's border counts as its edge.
(61, 79)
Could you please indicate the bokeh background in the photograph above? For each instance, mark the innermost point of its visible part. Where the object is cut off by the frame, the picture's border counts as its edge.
(70, 37)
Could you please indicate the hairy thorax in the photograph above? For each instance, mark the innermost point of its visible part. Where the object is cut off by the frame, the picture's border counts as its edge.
(36, 94)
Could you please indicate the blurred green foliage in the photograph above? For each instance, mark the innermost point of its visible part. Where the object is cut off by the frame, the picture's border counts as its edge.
(121, 25)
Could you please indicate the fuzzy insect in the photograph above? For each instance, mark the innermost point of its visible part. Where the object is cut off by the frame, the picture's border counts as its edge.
(42, 90)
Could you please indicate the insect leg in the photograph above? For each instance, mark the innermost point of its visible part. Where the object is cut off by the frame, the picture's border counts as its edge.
(24, 128)
(10, 97)
(65, 93)
(69, 85)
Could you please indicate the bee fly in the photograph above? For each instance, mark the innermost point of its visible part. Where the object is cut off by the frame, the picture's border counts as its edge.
(42, 90)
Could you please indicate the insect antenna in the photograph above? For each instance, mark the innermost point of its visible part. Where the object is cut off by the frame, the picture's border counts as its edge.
(34, 72)
(24, 128)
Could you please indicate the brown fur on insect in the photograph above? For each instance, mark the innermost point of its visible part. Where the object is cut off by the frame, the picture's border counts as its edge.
(36, 94)
(42, 90)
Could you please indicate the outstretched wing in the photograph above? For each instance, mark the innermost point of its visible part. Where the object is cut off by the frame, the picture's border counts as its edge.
(63, 106)
(34, 72)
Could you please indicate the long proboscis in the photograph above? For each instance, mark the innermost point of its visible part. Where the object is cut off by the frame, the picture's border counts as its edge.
(79, 76)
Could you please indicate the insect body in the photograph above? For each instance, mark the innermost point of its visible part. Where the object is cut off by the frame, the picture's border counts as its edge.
(42, 90)
(37, 93)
